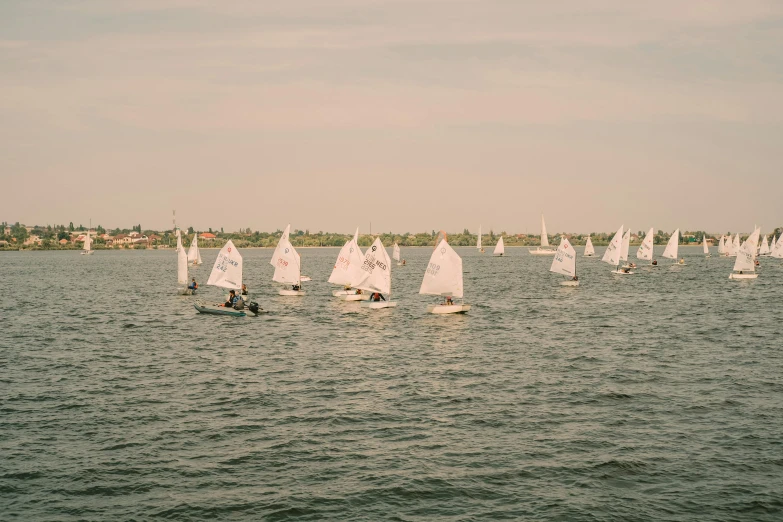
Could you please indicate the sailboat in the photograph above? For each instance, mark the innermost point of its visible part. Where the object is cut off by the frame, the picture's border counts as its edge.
(88, 243)
(347, 270)
(544, 249)
(671, 247)
(613, 251)
(722, 245)
(645, 251)
(705, 246)
(729, 246)
(396, 255)
(777, 251)
(589, 248)
(478, 243)
(194, 255)
(744, 264)
(376, 275)
(736, 246)
(764, 250)
(565, 263)
(626, 246)
(182, 272)
(444, 278)
(226, 273)
(500, 249)
(288, 266)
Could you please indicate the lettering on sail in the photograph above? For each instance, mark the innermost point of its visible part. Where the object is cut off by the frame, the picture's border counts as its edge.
(433, 269)
(224, 262)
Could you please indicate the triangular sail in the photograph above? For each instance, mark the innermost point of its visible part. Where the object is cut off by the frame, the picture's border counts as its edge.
(737, 244)
(764, 250)
(396, 252)
(729, 247)
(375, 270)
(626, 245)
(544, 238)
(565, 259)
(645, 251)
(286, 261)
(346, 268)
(589, 248)
(179, 240)
(672, 245)
(444, 272)
(704, 244)
(478, 243)
(778, 250)
(612, 254)
(499, 248)
(87, 242)
(722, 245)
(227, 271)
(194, 254)
(747, 254)
(182, 267)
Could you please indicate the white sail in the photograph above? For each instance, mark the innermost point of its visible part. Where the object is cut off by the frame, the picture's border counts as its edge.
(626, 245)
(737, 244)
(87, 242)
(764, 250)
(565, 259)
(286, 261)
(375, 270)
(346, 268)
(645, 251)
(729, 247)
(672, 245)
(396, 252)
(747, 254)
(194, 254)
(778, 250)
(722, 245)
(612, 254)
(179, 240)
(704, 244)
(500, 249)
(444, 272)
(478, 243)
(227, 271)
(355, 236)
(772, 243)
(182, 267)
(544, 239)
(589, 249)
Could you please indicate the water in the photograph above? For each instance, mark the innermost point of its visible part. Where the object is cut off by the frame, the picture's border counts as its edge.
(651, 397)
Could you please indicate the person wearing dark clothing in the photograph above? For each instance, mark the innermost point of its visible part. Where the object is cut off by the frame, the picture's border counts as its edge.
(232, 299)
(193, 285)
(377, 296)
(244, 289)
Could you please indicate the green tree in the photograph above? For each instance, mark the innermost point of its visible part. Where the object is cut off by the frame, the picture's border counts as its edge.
(70, 226)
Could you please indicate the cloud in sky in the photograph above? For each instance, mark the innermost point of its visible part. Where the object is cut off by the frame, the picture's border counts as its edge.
(413, 114)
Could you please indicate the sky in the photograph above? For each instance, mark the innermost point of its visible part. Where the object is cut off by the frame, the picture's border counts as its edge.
(410, 115)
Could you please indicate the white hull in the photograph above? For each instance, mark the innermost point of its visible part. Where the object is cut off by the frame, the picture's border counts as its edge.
(620, 272)
(448, 309)
(355, 297)
(498, 255)
(338, 293)
(629, 266)
(380, 304)
(743, 276)
(542, 251)
(295, 293)
(305, 278)
(87, 253)
(569, 283)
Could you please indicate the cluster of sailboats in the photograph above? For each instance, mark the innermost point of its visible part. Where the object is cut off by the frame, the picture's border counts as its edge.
(367, 276)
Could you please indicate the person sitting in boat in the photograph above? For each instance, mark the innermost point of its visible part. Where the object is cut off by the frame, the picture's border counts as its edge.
(359, 291)
(295, 288)
(193, 285)
(682, 261)
(232, 299)
(403, 262)
(347, 287)
(575, 278)
(757, 263)
(632, 265)
(449, 301)
(377, 296)
(655, 262)
(244, 289)
(625, 270)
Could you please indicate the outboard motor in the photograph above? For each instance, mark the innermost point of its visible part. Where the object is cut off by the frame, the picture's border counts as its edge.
(253, 307)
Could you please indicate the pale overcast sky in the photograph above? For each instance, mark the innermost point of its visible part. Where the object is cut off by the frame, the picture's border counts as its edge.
(415, 115)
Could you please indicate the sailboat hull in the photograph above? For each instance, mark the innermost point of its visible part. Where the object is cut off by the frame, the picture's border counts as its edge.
(620, 272)
(305, 278)
(355, 297)
(448, 309)
(542, 251)
(569, 283)
(379, 304)
(216, 310)
(338, 293)
(743, 276)
(294, 293)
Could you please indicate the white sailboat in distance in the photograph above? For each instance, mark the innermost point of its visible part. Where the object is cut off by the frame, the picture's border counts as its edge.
(500, 249)
(705, 246)
(777, 250)
(565, 263)
(87, 243)
(544, 249)
(764, 250)
(444, 278)
(346, 270)
(589, 248)
(376, 276)
(722, 245)
(646, 249)
(396, 254)
(671, 247)
(613, 251)
(478, 243)
(625, 250)
(182, 273)
(744, 265)
(226, 273)
(287, 263)
(194, 254)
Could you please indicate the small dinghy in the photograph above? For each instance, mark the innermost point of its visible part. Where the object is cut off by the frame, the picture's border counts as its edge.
(744, 265)
(376, 277)
(614, 252)
(500, 248)
(564, 263)
(544, 249)
(288, 266)
(226, 273)
(182, 268)
(589, 248)
(194, 254)
(444, 278)
(215, 309)
(346, 269)
(478, 243)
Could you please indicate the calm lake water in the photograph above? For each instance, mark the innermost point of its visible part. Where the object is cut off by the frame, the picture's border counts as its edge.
(657, 396)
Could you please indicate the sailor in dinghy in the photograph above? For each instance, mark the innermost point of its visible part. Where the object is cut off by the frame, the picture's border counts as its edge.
(443, 277)
(227, 273)
(565, 263)
(376, 276)
(347, 270)
(288, 265)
